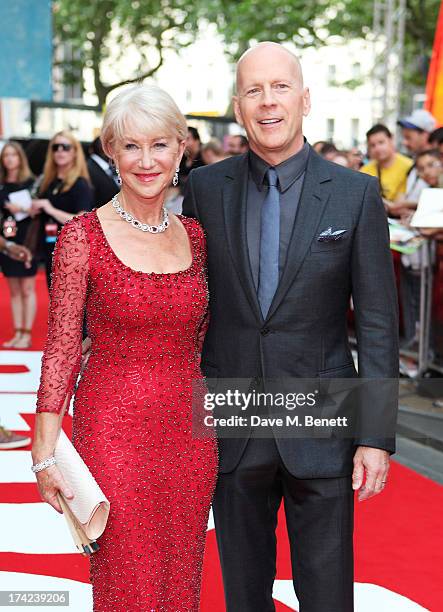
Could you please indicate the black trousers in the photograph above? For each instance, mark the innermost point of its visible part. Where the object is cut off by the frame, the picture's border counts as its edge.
(319, 516)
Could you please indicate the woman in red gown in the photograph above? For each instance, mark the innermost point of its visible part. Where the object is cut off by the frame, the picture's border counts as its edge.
(145, 296)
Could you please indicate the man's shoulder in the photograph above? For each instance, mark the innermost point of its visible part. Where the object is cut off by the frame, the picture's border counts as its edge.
(370, 168)
(403, 162)
(219, 170)
(92, 164)
(343, 175)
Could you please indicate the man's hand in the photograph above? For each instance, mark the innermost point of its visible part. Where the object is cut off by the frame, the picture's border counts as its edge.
(86, 352)
(372, 466)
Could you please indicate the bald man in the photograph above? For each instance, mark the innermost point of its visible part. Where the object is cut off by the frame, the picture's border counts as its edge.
(290, 238)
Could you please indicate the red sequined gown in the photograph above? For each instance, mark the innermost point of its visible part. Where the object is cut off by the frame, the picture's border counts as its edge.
(132, 413)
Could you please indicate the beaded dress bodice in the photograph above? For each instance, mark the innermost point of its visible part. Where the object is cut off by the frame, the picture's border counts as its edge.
(137, 321)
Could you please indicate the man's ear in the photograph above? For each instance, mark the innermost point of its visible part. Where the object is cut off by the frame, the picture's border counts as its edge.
(237, 111)
(306, 102)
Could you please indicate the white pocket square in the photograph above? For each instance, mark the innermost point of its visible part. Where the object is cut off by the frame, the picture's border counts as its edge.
(328, 235)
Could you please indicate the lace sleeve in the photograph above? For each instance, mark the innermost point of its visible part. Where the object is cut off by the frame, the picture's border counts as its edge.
(62, 355)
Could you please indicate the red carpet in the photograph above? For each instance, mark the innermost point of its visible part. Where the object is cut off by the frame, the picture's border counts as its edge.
(40, 326)
(398, 535)
(398, 543)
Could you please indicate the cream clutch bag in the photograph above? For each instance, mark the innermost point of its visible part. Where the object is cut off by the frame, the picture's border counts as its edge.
(88, 512)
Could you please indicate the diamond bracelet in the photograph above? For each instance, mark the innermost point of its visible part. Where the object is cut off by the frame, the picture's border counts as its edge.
(38, 467)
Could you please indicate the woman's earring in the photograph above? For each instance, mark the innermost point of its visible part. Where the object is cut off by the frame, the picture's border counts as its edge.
(119, 178)
(175, 179)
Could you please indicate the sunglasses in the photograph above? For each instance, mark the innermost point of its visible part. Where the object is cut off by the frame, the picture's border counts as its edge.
(61, 146)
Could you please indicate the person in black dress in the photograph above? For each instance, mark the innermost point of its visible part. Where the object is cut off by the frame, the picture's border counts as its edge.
(15, 175)
(65, 191)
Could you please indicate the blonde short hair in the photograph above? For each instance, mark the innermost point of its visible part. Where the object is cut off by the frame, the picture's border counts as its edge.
(144, 108)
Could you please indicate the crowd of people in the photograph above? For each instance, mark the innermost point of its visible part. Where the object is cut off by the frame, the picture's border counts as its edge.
(71, 184)
(166, 306)
(250, 283)
(402, 178)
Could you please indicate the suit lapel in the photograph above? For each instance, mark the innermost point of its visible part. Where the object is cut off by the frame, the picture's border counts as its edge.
(234, 207)
(314, 196)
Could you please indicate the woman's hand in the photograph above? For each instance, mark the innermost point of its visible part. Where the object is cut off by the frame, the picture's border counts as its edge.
(432, 232)
(50, 482)
(13, 208)
(406, 216)
(19, 253)
(45, 205)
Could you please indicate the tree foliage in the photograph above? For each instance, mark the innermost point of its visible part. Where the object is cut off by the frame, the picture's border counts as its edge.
(312, 23)
(97, 30)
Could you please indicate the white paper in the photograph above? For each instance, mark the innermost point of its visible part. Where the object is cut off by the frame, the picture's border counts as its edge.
(429, 211)
(23, 199)
(400, 233)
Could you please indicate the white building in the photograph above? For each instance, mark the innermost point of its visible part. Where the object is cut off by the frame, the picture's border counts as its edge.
(201, 80)
(339, 80)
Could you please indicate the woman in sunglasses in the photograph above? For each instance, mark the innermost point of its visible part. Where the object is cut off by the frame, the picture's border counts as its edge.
(65, 190)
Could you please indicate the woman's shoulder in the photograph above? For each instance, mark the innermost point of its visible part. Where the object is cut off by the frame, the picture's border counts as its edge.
(195, 232)
(29, 182)
(79, 226)
(18, 186)
(81, 183)
(191, 224)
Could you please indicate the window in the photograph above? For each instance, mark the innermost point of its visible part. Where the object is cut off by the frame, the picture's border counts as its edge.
(332, 73)
(355, 124)
(356, 70)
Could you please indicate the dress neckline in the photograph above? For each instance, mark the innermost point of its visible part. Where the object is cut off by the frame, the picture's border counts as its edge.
(140, 272)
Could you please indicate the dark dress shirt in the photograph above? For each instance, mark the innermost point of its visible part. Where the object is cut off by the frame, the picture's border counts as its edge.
(290, 174)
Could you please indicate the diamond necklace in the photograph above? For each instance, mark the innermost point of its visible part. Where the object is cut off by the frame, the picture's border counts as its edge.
(144, 227)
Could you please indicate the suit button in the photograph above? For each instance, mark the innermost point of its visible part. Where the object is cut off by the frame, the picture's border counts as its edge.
(265, 331)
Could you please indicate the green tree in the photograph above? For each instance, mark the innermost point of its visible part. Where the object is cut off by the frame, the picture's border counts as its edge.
(311, 23)
(96, 31)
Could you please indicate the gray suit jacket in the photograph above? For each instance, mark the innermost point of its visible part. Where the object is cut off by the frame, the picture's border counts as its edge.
(305, 332)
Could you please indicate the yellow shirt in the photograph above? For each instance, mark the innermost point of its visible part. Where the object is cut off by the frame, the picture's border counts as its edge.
(393, 179)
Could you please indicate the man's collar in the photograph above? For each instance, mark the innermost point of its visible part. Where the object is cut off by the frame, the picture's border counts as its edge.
(288, 171)
(100, 162)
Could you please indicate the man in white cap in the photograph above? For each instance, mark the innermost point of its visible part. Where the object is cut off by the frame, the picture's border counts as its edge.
(416, 129)
(415, 132)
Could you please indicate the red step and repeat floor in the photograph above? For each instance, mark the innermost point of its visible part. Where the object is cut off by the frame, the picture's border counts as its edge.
(398, 535)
